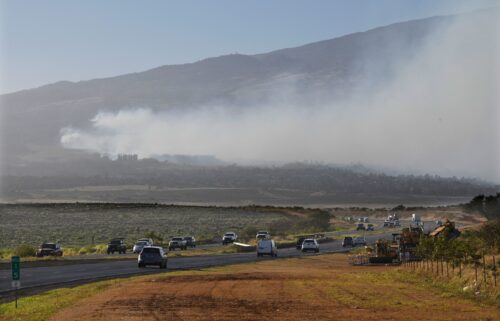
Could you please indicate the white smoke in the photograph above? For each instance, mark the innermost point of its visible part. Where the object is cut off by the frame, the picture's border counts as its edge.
(439, 115)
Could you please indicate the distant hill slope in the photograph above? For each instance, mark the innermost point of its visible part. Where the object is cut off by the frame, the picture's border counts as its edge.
(333, 67)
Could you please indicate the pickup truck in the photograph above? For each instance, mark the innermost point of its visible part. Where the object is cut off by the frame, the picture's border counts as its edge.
(229, 237)
(117, 245)
(177, 243)
(53, 249)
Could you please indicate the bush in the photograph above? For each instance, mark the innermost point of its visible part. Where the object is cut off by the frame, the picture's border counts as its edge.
(25, 250)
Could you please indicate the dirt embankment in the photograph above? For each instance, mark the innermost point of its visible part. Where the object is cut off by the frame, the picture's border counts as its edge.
(314, 288)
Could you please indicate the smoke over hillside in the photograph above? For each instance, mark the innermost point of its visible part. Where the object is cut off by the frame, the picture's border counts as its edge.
(438, 113)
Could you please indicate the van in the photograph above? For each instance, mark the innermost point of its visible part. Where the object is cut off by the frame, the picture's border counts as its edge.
(267, 247)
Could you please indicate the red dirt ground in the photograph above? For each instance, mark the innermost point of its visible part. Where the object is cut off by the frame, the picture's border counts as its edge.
(315, 288)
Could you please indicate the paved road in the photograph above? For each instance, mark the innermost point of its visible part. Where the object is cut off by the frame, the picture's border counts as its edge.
(40, 277)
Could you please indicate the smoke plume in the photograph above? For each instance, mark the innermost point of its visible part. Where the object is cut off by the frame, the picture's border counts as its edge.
(438, 115)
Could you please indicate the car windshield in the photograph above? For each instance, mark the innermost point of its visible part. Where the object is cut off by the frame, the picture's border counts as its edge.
(228, 234)
(348, 239)
(151, 250)
(48, 245)
(142, 243)
(188, 238)
(177, 239)
(309, 241)
(116, 242)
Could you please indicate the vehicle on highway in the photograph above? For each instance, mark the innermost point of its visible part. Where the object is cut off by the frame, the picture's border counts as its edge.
(396, 223)
(439, 223)
(152, 255)
(139, 246)
(300, 240)
(149, 240)
(360, 240)
(49, 249)
(415, 218)
(348, 241)
(360, 226)
(267, 247)
(117, 245)
(229, 237)
(262, 235)
(190, 241)
(310, 245)
(370, 227)
(177, 243)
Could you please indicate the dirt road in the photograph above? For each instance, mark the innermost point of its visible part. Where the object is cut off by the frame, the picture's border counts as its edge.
(311, 288)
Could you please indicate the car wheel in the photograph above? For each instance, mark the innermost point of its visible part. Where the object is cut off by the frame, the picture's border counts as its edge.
(140, 265)
(316, 251)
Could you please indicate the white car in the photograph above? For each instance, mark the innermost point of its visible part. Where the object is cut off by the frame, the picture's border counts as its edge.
(139, 246)
(360, 240)
(262, 235)
(267, 247)
(149, 240)
(310, 245)
(229, 237)
(177, 243)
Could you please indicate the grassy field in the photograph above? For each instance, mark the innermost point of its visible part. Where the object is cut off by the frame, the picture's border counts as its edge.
(83, 224)
(311, 288)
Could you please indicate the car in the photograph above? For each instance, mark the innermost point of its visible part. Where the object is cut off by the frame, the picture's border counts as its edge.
(139, 246)
(177, 243)
(47, 248)
(310, 245)
(360, 226)
(262, 235)
(439, 223)
(387, 223)
(117, 245)
(347, 241)
(360, 240)
(365, 219)
(190, 241)
(149, 240)
(396, 223)
(229, 237)
(370, 227)
(152, 255)
(300, 240)
(267, 247)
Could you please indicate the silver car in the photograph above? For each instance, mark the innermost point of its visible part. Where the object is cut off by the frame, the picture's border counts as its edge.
(152, 255)
(310, 245)
(139, 246)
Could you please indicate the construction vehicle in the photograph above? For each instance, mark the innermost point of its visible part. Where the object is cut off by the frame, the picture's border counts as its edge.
(448, 230)
(408, 242)
(386, 251)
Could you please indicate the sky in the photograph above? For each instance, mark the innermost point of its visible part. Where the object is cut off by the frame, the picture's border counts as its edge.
(46, 41)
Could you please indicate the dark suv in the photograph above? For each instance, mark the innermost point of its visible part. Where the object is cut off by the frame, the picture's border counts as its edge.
(53, 249)
(152, 255)
(117, 245)
(190, 241)
(348, 241)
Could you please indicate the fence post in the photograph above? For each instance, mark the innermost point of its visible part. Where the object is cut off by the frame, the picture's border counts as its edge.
(494, 271)
(484, 269)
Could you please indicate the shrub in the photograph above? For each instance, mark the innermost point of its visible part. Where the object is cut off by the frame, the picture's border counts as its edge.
(25, 250)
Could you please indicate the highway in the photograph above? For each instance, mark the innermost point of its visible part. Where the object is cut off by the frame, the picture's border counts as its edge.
(38, 279)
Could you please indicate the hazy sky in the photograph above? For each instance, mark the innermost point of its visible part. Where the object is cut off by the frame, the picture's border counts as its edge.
(46, 41)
